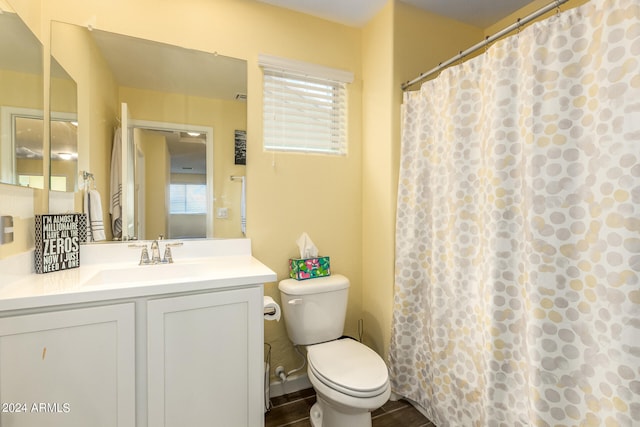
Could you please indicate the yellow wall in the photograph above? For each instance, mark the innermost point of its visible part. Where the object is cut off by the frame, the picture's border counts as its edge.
(157, 174)
(22, 90)
(63, 95)
(67, 169)
(63, 99)
(29, 167)
(377, 169)
(398, 44)
(81, 58)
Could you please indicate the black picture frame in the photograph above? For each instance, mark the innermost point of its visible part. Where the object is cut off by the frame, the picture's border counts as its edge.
(240, 147)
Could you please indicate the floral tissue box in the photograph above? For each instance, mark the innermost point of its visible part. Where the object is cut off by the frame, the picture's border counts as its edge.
(309, 268)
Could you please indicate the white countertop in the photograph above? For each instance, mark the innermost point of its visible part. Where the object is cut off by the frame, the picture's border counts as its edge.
(111, 272)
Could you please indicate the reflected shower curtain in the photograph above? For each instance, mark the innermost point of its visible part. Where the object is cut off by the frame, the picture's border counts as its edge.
(517, 291)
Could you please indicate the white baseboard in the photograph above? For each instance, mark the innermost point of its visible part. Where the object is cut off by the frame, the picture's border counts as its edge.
(294, 383)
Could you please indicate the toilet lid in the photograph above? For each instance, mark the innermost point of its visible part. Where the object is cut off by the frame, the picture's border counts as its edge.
(349, 367)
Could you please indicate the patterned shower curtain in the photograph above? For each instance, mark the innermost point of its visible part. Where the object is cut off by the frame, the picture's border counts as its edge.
(517, 290)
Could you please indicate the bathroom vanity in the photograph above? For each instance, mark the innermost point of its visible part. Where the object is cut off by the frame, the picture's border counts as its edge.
(116, 344)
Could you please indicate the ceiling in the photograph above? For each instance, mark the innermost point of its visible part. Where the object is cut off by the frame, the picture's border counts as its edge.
(146, 64)
(356, 13)
(20, 50)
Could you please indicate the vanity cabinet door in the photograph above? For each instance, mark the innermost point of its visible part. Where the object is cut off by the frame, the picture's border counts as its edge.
(205, 359)
(68, 368)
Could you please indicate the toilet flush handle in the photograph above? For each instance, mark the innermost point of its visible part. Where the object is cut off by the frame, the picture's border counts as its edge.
(295, 301)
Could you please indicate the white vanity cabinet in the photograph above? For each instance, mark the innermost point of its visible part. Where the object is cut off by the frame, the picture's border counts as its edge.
(205, 359)
(71, 368)
(114, 344)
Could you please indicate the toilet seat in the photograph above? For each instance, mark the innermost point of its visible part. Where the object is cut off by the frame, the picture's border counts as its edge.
(349, 367)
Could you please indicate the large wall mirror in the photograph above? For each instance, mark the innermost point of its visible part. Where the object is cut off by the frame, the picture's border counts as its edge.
(181, 111)
(21, 104)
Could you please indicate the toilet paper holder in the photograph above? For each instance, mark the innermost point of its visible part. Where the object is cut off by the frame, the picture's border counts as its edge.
(271, 309)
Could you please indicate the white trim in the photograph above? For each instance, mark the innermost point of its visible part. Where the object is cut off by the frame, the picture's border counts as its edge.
(294, 383)
(8, 140)
(8, 134)
(304, 68)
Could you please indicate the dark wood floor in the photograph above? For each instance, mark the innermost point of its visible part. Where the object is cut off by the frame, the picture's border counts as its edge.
(292, 410)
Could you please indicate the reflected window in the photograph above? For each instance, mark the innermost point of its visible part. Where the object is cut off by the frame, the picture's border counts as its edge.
(188, 198)
(33, 181)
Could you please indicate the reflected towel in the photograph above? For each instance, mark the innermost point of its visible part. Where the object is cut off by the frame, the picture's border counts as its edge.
(93, 209)
(115, 205)
(243, 207)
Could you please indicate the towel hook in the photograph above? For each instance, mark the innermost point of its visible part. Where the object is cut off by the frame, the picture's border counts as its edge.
(88, 179)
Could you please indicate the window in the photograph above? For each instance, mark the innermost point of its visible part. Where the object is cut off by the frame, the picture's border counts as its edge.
(188, 198)
(304, 107)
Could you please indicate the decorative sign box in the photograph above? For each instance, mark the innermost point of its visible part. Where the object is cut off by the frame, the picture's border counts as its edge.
(58, 238)
(309, 268)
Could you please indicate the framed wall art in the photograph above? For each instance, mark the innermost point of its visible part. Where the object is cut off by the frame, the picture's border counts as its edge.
(241, 147)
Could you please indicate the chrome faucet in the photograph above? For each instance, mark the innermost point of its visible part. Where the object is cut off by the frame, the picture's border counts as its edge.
(155, 253)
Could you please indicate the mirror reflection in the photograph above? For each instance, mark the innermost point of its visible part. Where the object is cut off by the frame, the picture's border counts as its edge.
(64, 130)
(180, 110)
(21, 104)
(170, 173)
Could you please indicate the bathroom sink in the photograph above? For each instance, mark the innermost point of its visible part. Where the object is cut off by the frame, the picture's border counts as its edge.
(147, 274)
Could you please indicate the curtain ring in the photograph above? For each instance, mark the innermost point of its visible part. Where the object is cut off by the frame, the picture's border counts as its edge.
(486, 44)
(519, 27)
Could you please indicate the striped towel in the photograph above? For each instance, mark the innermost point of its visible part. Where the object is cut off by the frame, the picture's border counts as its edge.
(115, 205)
(93, 209)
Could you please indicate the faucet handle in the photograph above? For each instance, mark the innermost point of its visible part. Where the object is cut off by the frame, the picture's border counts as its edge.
(168, 257)
(144, 256)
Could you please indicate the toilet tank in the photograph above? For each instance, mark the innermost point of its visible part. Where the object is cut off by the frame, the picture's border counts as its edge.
(314, 310)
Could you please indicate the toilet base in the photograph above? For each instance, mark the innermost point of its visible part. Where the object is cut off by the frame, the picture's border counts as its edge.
(322, 414)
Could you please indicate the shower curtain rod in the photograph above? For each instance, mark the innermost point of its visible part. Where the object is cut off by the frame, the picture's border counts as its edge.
(489, 39)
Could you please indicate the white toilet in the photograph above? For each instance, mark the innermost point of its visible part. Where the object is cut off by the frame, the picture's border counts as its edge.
(349, 378)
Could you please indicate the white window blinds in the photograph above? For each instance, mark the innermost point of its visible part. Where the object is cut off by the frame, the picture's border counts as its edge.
(304, 107)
